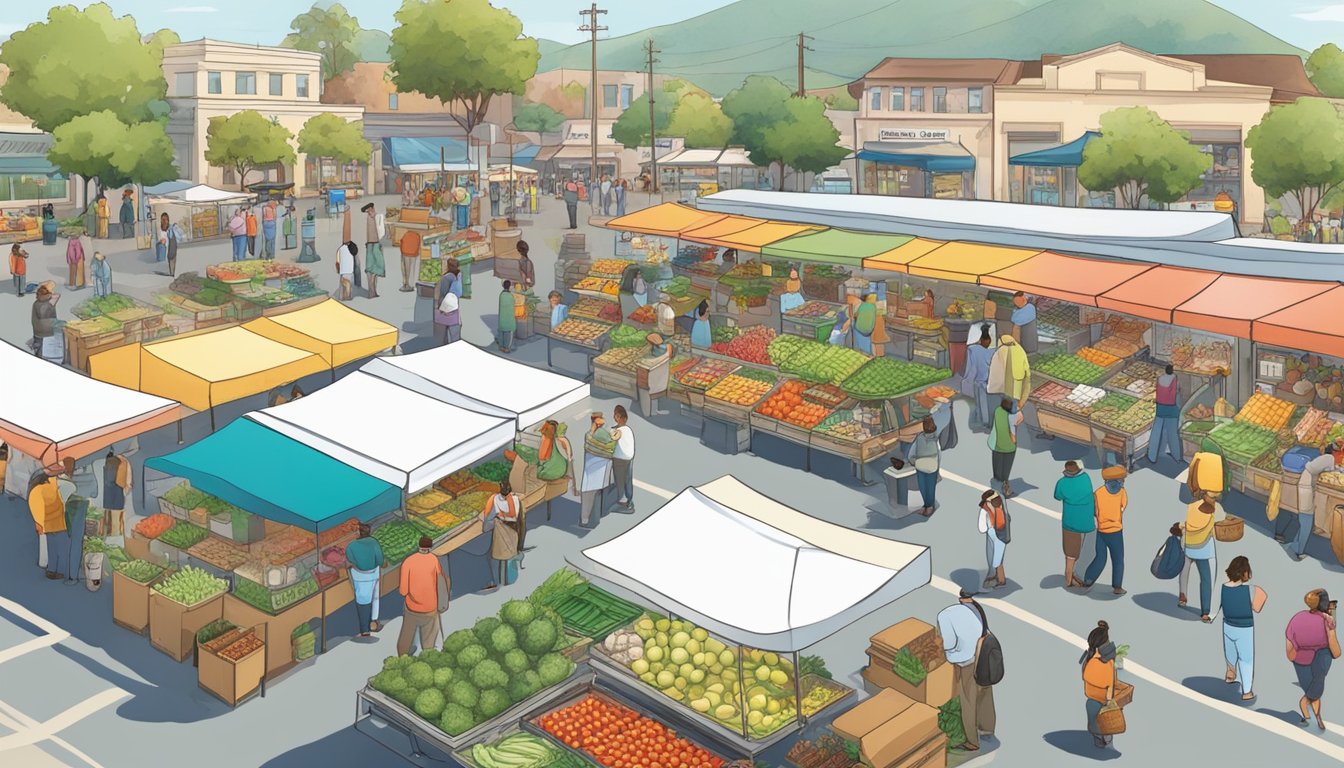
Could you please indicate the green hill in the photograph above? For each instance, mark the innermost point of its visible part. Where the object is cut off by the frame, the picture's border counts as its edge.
(716, 50)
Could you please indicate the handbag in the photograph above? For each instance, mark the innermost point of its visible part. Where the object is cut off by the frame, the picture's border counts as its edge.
(1005, 534)
(926, 464)
(1275, 499)
(1111, 720)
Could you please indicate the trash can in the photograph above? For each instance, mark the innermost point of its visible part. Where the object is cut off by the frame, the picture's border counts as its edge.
(49, 229)
(898, 489)
(93, 571)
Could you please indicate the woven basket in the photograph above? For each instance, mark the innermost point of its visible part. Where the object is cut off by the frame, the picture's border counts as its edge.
(1111, 721)
(1230, 529)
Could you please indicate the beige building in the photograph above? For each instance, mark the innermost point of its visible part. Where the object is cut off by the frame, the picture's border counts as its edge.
(566, 91)
(208, 78)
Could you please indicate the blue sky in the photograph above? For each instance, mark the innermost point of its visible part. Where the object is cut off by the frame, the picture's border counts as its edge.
(1305, 23)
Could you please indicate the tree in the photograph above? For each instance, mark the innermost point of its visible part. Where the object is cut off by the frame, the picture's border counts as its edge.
(462, 51)
(841, 100)
(327, 135)
(162, 39)
(699, 120)
(329, 31)
(244, 141)
(537, 117)
(1325, 67)
(756, 106)
(101, 147)
(80, 62)
(780, 129)
(631, 129)
(1143, 156)
(1299, 151)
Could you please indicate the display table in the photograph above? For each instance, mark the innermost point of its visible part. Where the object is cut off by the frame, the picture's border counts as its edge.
(588, 350)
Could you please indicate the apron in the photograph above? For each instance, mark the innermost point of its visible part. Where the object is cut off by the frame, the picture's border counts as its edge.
(365, 585)
(504, 541)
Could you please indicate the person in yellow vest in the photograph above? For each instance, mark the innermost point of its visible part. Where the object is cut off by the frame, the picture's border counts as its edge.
(48, 511)
(102, 212)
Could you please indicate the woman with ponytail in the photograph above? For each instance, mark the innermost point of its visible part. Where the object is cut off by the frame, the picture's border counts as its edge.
(1098, 664)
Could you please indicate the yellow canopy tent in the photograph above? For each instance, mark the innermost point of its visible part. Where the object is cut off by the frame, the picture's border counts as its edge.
(330, 330)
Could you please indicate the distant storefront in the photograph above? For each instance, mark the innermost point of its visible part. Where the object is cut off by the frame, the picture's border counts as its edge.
(26, 176)
(922, 163)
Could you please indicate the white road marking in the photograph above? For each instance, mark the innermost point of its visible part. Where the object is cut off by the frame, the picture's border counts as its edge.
(46, 730)
(1016, 500)
(28, 646)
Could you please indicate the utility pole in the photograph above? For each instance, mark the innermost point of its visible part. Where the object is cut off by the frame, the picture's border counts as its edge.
(653, 132)
(802, 46)
(592, 26)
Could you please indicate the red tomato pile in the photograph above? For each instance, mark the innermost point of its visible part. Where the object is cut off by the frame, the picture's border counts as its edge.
(749, 346)
(617, 737)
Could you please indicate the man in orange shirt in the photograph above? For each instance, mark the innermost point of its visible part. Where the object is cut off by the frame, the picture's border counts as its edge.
(421, 575)
(1111, 501)
(251, 233)
(47, 507)
(18, 267)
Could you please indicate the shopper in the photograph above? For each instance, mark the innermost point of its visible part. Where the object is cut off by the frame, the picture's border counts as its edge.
(78, 488)
(1079, 523)
(44, 317)
(1167, 424)
(504, 516)
(74, 259)
(865, 322)
(160, 242)
(1199, 552)
(532, 197)
(421, 576)
(102, 274)
(571, 197)
(1003, 446)
(666, 316)
(127, 215)
(345, 269)
(621, 191)
(507, 321)
(527, 274)
(702, 335)
(1098, 664)
(48, 510)
(623, 460)
(1295, 528)
(494, 199)
(792, 298)
(1111, 500)
(447, 309)
(1312, 643)
(367, 560)
(640, 288)
(925, 454)
(1023, 319)
(102, 213)
(374, 264)
(993, 521)
(605, 189)
(268, 216)
(1240, 602)
(962, 626)
(251, 233)
(18, 268)
(116, 490)
(975, 379)
(1010, 375)
(597, 472)
(238, 233)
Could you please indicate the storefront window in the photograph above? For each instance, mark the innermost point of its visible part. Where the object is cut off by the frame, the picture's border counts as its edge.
(975, 100)
(326, 171)
(1223, 176)
(1299, 376)
(939, 99)
(951, 186)
(897, 99)
(18, 187)
(894, 180)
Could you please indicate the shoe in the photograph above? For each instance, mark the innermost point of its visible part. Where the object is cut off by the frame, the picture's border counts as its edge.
(988, 583)
(375, 626)
(1248, 696)
(490, 587)
(406, 289)
(1117, 591)
(1277, 537)
(1085, 585)
(1298, 558)
(53, 576)
(968, 747)
(1207, 619)
(1099, 742)
(1180, 600)
(363, 634)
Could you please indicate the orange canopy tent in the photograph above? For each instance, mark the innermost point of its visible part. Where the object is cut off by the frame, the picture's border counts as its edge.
(1068, 278)
(666, 220)
(750, 239)
(1311, 325)
(1155, 294)
(1232, 302)
(898, 259)
(967, 262)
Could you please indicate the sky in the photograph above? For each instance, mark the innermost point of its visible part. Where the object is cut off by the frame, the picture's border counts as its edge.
(1305, 23)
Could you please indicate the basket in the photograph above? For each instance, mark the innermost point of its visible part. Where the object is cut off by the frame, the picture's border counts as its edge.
(1111, 721)
(1231, 529)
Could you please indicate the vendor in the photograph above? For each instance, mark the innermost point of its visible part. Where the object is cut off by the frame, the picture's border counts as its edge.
(666, 315)
(597, 472)
(553, 458)
(366, 560)
(792, 298)
(701, 335)
(559, 311)
(1023, 319)
(640, 288)
(842, 321)
(865, 322)
(658, 363)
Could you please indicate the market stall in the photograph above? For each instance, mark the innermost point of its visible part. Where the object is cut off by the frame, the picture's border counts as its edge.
(107, 322)
(201, 210)
(467, 246)
(330, 330)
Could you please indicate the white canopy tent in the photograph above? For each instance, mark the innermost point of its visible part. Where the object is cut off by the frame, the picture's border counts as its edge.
(202, 193)
(199, 210)
(782, 580)
(469, 377)
(386, 431)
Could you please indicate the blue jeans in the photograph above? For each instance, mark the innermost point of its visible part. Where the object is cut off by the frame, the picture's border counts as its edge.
(58, 552)
(1239, 651)
(268, 234)
(77, 510)
(863, 343)
(364, 616)
(1305, 521)
(1166, 433)
(982, 410)
(508, 571)
(928, 487)
(1205, 583)
(102, 286)
(1114, 543)
(239, 247)
(19, 281)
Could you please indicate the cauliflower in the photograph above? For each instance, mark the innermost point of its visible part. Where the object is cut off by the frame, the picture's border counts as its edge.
(488, 674)
(552, 668)
(471, 656)
(522, 686)
(538, 637)
(419, 675)
(518, 613)
(406, 696)
(463, 693)
(458, 640)
(503, 639)
(397, 662)
(492, 702)
(456, 719)
(484, 628)
(429, 704)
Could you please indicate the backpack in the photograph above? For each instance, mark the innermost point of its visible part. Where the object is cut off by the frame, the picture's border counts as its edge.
(1170, 559)
(380, 225)
(989, 657)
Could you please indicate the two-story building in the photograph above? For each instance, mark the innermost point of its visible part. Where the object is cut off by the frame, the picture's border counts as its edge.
(567, 91)
(209, 78)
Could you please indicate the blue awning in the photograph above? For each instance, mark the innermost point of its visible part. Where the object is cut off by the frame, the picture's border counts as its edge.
(399, 151)
(937, 157)
(263, 472)
(28, 165)
(1064, 156)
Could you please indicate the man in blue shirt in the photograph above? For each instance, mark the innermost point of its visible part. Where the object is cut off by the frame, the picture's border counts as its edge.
(366, 560)
(975, 379)
(961, 627)
(1024, 322)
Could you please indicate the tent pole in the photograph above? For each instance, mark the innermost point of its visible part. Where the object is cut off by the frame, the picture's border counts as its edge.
(212, 418)
(317, 539)
(179, 431)
(797, 689)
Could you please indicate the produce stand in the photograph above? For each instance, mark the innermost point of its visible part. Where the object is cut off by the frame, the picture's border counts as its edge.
(813, 320)
(614, 370)
(130, 597)
(108, 322)
(173, 625)
(20, 225)
(232, 666)
(587, 337)
(435, 250)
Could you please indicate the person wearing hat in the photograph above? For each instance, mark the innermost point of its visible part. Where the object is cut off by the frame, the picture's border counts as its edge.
(1079, 522)
(1312, 644)
(1110, 502)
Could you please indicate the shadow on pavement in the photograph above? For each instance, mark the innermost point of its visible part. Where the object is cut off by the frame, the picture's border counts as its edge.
(344, 747)
(1165, 604)
(973, 581)
(1216, 688)
(1079, 744)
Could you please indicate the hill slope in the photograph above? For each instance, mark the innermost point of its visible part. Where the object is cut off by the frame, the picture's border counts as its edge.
(716, 50)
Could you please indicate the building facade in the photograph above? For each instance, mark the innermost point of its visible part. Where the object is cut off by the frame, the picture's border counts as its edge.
(209, 78)
(27, 178)
(566, 91)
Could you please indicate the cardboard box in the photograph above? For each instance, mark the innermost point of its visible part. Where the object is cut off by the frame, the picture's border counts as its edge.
(173, 626)
(231, 681)
(867, 715)
(933, 755)
(902, 738)
(130, 602)
(911, 632)
(935, 689)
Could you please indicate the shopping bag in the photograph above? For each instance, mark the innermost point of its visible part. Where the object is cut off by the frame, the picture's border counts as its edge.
(143, 240)
(1170, 559)
(1272, 506)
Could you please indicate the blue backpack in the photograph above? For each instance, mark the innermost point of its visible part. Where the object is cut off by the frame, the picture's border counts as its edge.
(1170, 559)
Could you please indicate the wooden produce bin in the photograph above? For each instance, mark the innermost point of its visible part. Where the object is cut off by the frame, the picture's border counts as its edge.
(231, 680)
(279, 655)
(1060, 424)
(130, 602)
(173, 626)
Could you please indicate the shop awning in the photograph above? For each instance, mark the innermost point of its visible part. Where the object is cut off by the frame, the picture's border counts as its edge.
(1311, 326)
(1232, 302)
(693, 158)
(1068, 278)
(263, 472)
(585, 152)
(751, 239)
(330, 330)
(1064, 156)
(803, 580)
(665, 220)
(77, 416)
(735, 157)
(28, 165)
(720, 229)
(206, 370)
(389, 432)
(934, 157)
(1155, 294)
(836, 246)
(467, 376)
(402, 151)
(967, 262)
(898, 259)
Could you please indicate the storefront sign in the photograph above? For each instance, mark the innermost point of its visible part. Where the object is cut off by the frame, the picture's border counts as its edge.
(914, 134)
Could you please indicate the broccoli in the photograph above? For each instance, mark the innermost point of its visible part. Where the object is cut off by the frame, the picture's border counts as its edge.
(435, 658)
(522, 686)
(456, 719)
(538, 637)
(492, 702)
(463, 693)
(389, 681)
(552, 668)
(518, 613)
(471, 656)
(442, 677)
(488, 674)
(419, 675)
(429, 704)
(503, 639)
(397, 662)
(484, 628)
(406, 696)
(458, 640)
(516, 661)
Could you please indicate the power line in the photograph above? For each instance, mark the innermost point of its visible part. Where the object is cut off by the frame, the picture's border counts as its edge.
(735, 58)
(721, 48)
(860, 16)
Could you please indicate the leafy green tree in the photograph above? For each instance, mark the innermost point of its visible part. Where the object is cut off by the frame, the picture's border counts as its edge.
(244, 141)
(1298, 150)
(100, 147)
(1143, 156)
(631, 129)
(537, 117)
(80, 62)
(842, 101)
(761, 102)
(781, 130)
(575, 96)
(162, 39)
(701, 121)
(464, 51)
(330, 31)
(1325, 67)
(327, 135)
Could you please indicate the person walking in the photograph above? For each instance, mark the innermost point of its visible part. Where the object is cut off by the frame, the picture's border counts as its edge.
(597, 473)
(287, 228)
(1297, 537)
(268, 216)
(1312, 643)
(571, 198)
(102, 274)
(975, 379)
(494, 199)
(409, 247)
(127, 215)
(1079, 523)
(116, 489)
(1240, 602)
(623, 459)
(48, 510)
(161, 238)
(504, 517)
(1010, 375)
(507, 321)
(374, 265)
(74, 260)
(1197, 531)
(366, 559)
(532, 197)
(238, 234)
(102, 214)
(1098, 664)
(527, 274)
(1002, 446)
(1167, 424)
(925, 454)
(962, 626)
(1111, 502)
(993, 522)
(345, 269)
(18, 268)
(251, 233)
(621, 191)
(447, 305)
(421, 576)
(44, 317)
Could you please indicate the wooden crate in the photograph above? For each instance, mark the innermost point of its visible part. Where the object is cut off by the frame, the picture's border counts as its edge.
(1059, 425)
(173, 626)
(231, 681)
(130, 602)
(614, 380)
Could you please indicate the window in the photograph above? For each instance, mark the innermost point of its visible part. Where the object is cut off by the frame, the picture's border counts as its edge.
(277, 84)
(875, 99)
(245, 83)
(392, 101)
(229, 178)
(975, 100)
(301, 86)
(214, 83)
(184, 84)
(897, 99)
(609, 97)
(916, 99)
(627, 96)
(939, 99)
